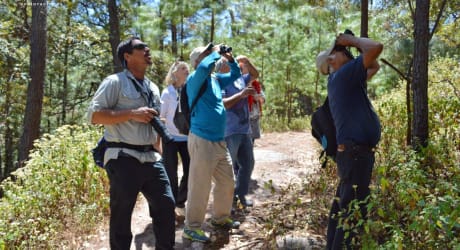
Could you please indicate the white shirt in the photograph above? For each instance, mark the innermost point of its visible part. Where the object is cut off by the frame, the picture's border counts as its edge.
(169, 101)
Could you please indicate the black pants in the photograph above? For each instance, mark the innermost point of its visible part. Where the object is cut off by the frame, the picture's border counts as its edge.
(171, 161)
(355, 170)
(127, 178)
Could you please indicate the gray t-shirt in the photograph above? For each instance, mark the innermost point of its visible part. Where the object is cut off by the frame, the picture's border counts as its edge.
(117, 92)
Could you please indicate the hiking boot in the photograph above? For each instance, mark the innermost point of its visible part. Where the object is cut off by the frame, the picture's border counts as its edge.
(195, 235)
(245, 202)
(226, 223)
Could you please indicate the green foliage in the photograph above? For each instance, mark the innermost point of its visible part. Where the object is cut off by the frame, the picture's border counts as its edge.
(283, 39)
(277, 124)
(59, 189)
(415, 203)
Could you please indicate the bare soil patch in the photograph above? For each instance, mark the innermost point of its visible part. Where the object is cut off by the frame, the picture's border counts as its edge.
(283, 160)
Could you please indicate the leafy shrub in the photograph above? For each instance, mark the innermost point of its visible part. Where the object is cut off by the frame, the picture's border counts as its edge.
(277, 124)
(59, 189)
(415, 203)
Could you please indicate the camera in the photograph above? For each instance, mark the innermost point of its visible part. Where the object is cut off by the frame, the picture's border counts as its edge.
(160, 127)
(224, 49)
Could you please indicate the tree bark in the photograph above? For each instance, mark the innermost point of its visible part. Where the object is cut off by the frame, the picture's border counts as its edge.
(114, 35)
(364, 18)
(9, 133)
(65, 83)
(34, 101)
(182, 35)
(174, 39)
(420, 78)
(211, 35)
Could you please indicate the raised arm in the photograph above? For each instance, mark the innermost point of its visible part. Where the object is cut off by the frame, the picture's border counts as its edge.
(372, 70)
(369, 48)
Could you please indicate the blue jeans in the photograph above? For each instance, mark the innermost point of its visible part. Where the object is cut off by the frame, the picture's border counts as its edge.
(127, 178)
(241, 151)
(354, 169)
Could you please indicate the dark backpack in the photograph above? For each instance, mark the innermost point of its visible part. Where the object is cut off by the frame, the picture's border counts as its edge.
(183, 111)
(323, 129)
(99, 151)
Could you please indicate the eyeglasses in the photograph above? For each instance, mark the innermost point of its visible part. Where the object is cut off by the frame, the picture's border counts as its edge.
(140, 46)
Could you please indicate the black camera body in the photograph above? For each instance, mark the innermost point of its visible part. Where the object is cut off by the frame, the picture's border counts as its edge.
(160, 127)
(224, 49)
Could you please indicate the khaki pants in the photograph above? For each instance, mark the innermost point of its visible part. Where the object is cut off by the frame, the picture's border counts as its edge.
(209, 161)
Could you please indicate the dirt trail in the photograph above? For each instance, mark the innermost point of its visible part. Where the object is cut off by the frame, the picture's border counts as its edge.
(281, 159)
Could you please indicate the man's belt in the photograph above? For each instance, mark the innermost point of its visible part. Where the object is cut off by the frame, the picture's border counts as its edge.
(354, 146)
(140, 148)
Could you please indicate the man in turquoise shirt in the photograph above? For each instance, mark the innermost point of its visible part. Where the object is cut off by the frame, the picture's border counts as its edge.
(209, 157)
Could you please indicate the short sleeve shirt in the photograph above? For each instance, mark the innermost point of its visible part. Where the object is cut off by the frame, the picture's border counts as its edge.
(117, 92)
(354, 117)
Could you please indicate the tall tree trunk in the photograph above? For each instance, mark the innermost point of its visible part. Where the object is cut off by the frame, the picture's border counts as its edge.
(182, 34)
(364, 18)
(233, 27)
(174, 38)
(65, 84)
(211, 36)
(420, 78)
(288, 84)
(408, 114)
(114, 35)
(34, 103)
(9, 132)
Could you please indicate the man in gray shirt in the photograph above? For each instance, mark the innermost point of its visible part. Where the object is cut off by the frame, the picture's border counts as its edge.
(123, 104)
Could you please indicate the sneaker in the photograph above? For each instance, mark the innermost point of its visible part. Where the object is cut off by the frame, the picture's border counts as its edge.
(245, 202)
(195, 235)
(227, 223)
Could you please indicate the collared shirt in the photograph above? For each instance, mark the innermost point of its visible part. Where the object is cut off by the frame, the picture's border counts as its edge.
(117, 92)
(169, 102)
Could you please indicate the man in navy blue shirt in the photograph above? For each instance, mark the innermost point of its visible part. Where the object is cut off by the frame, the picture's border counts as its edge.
(357, 125)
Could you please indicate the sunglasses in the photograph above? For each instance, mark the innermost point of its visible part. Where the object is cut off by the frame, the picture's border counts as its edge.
(140, 46)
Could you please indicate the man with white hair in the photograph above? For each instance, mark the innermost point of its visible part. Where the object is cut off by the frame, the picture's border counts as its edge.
(209, 157)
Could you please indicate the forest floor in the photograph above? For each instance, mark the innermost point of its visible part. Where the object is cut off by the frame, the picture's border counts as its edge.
(282, 160)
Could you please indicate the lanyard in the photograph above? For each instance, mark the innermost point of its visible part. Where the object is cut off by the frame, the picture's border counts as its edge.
(148, 97)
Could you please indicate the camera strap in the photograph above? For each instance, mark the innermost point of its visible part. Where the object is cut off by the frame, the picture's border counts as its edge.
(148, 97)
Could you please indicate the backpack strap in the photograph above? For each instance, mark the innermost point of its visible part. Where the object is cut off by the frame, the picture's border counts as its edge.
(200, 93)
